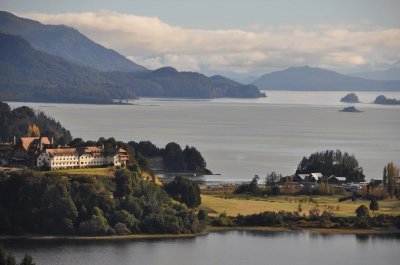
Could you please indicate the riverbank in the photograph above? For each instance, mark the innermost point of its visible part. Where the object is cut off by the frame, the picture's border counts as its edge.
(211, 229)
(111, 237)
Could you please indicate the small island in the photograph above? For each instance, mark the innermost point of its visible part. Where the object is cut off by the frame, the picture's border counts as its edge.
(350, 109)
(350, 98)
(386, 101)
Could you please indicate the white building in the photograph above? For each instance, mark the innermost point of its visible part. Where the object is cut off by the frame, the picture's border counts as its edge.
(92, 156)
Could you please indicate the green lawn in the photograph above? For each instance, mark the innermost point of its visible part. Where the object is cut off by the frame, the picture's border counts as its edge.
(103, 171)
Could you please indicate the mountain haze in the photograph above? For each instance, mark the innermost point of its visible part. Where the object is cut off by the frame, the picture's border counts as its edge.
(388, 74)
(66, 42)
(317, 79)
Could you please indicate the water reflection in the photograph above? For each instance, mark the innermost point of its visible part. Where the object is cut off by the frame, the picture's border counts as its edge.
(223, 247)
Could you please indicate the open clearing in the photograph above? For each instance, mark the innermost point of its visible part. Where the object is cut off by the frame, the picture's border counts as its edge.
(232, 205)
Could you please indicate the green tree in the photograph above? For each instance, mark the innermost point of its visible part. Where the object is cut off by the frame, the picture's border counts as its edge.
(362, 212)
(384, 178)
(184, 190)
(173, 158)
(373, 205)
(194, 160)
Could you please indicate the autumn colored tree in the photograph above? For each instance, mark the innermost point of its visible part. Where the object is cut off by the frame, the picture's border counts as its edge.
(33, 130)
(392, 177)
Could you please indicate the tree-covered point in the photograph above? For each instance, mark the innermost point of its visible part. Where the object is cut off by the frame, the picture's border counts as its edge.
(174, 158)
(330, 163)
(52, 203)
(16, 122)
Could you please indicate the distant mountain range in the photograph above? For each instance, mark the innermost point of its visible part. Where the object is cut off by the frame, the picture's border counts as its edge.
(67, 43)
(27, 74)
(317, 79)
(388, 74)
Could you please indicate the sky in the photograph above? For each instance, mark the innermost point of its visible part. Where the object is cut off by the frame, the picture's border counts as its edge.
(244, 38)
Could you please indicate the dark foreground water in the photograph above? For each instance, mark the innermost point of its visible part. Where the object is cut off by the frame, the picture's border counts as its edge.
(219, 248)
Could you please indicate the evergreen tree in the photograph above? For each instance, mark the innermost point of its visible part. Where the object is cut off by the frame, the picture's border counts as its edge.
(373, 205)
(173, 158)
(184, 190)
(384, 178)
(362, 212)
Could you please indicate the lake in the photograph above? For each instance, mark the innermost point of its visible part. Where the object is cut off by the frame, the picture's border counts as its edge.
(243, 137)
(230, 248)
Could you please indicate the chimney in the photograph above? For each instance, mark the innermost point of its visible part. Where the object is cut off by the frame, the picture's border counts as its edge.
(14, 140)
(52, 140)
(40, 144)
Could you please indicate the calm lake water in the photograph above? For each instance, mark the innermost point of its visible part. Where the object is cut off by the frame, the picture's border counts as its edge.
(230, 248)
(243, 137)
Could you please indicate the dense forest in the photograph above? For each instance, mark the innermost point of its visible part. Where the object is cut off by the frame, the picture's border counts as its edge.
(51, 203)
(330, 163)
(16, 123)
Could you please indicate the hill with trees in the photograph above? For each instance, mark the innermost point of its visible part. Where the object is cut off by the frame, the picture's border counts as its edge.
(19, 121)
(330, 163)
(50, 203)
(30, 75)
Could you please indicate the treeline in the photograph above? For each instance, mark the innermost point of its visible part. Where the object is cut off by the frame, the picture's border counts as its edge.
(51, 203)
(16, 122)
(315, 219)
(330, 163)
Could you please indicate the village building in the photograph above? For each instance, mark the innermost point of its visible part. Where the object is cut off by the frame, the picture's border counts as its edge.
(26, 148)
(312, 177)
(336, 180)
(81, 157)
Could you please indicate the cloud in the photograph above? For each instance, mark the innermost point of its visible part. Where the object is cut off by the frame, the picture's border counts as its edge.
(155, 43)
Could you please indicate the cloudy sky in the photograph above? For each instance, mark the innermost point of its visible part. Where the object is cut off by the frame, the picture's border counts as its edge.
(244, 37)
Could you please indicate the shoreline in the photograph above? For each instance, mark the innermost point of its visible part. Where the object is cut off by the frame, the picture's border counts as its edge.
(211, 229)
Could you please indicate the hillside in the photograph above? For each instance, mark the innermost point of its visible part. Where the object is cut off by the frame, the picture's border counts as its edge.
(67, 43)
(308, 78)
(30, 75)
(16, 122)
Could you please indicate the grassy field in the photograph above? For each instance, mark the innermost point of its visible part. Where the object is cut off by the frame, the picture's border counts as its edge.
(235, 204)
(103, 171)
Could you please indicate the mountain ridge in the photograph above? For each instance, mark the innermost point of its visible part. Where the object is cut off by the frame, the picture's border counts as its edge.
(67, 43)
(27, 74)
(308, 78)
